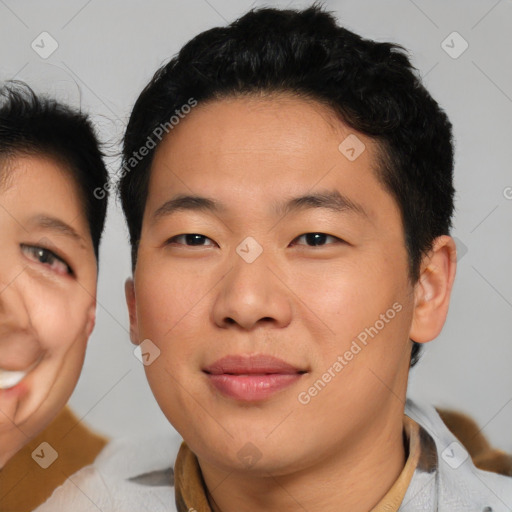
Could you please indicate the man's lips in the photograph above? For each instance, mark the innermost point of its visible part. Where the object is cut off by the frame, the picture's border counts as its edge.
(251, 378)
(251, 365)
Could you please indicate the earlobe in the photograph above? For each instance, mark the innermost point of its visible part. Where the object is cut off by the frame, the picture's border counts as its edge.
(433, 289)
(129, 290)
(91, 320)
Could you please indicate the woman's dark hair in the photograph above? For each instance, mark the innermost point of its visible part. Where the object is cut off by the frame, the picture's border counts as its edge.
(37, 125)
(371, 86)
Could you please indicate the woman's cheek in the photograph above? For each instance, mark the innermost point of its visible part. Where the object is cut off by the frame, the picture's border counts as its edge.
(62, 322)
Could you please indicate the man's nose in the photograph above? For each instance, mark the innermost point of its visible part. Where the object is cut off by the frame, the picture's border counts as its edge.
(252, 294)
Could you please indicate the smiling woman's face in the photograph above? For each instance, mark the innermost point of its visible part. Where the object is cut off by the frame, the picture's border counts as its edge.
(247, 285)
(47, 295)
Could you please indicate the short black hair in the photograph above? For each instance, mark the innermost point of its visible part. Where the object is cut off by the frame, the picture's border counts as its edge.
(32, 124)
(372, 87)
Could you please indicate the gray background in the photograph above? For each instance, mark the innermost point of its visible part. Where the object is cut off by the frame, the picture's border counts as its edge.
(108, 50)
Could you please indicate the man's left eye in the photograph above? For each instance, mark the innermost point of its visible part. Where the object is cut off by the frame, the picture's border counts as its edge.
(317, 239)
(47, 258)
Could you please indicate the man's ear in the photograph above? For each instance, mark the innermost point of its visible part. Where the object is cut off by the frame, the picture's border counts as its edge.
(129, 291)
(433, 289)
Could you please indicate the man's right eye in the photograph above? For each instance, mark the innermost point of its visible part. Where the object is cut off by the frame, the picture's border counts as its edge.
(190, 239)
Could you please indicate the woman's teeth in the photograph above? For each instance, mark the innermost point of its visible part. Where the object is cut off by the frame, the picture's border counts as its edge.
(9, 379)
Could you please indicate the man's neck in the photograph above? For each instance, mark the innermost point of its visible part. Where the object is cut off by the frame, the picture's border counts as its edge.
(351, 479)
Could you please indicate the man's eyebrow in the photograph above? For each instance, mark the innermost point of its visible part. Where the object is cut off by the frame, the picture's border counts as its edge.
(330, 199)
(184, 202)
(56, 225)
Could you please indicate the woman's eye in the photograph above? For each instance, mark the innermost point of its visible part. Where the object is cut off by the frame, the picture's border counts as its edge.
(47, 258)
(316, 239)
(191, 239)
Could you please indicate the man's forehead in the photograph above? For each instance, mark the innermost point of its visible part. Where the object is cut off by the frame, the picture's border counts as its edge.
(280, 122)
(195, 173)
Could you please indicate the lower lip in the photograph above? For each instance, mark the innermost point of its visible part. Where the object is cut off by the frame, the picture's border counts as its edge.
(252, 388)
(15, 391)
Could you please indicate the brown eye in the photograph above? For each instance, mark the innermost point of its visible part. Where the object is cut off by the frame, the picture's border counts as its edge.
(317, 239)
(190, 239)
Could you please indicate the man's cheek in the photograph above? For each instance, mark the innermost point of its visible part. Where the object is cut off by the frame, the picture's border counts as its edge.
(163, 288)
(332, 290)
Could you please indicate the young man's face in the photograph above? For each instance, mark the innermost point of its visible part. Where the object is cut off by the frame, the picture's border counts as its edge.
(47, 295)
(248, 283)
